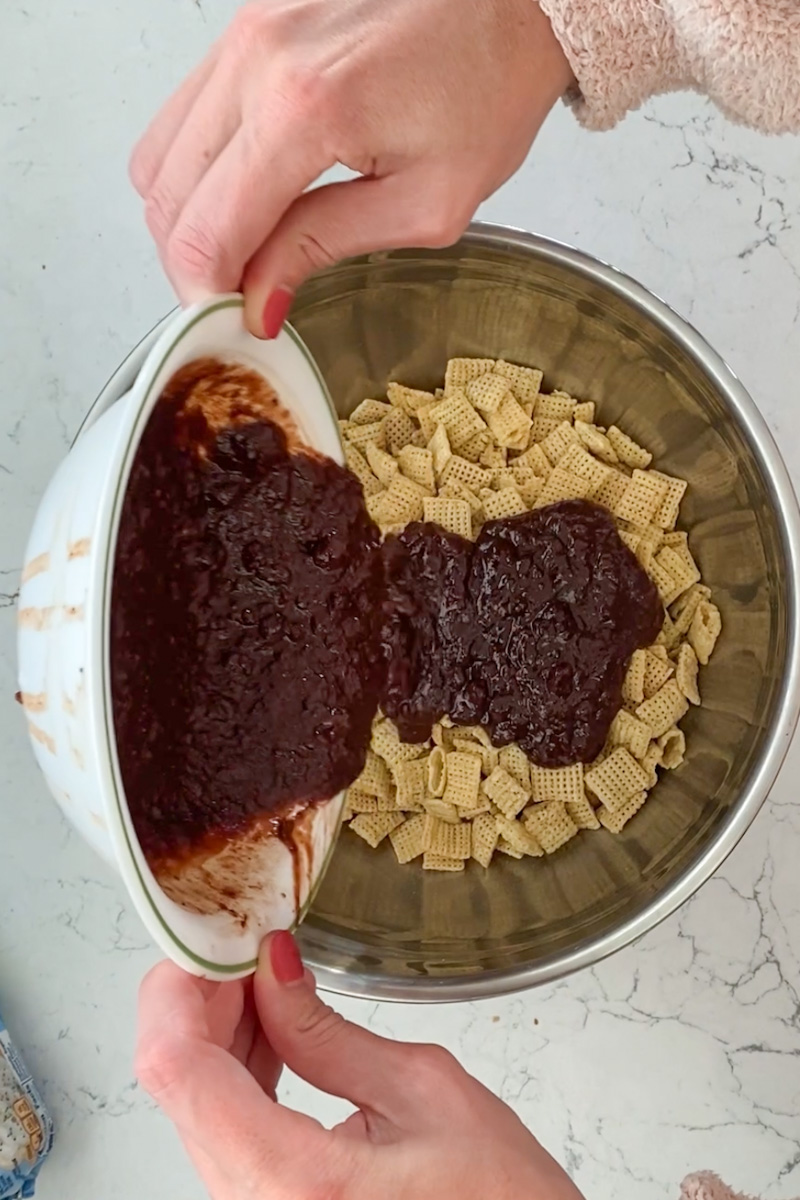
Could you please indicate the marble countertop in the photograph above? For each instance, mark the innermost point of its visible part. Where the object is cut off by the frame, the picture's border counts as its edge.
(707, 1007)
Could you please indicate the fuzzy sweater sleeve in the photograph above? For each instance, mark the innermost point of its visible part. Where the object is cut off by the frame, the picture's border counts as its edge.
(744, 54)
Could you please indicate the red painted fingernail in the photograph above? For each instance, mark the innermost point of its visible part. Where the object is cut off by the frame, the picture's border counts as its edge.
(287, 965)
(276, 310)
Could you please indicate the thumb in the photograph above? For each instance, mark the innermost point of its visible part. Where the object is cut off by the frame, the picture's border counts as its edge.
(319, 1045)
(343, 220)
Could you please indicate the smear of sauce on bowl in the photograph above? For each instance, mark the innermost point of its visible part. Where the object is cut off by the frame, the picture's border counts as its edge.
(258, 622)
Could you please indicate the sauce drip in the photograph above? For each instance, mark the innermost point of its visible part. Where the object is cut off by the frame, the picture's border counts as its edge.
(257, 623)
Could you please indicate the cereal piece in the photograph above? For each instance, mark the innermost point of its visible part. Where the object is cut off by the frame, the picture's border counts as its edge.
(503, 477)
(518, 837)
(410, 779)
(506, 792)
(641, 498)
(494, 457)
(374, 779)
(557, 406)
(441, 837)
(585, 466)
(668, 636)
(666, 514)
(409, 399)
(417, 465)
(557, 783)
(631, 540)
(649, 542)
(427, 423)
(616, 779)
(458, 417)
(550, 824)
(370, 411)
(666, 708)
(484, 837)
(437, 862)
(562, 485)
(556, 444)
(582, 813)
(704, 630)
(402, 501)
(681, 567)
(514, 760)
(628, 731)
(386, 742)
(657, 671)
(374, 827)
(503, 847)
(454, 490)
(627, 450)
(436, 771)
(461, 371)
(487, 392)
(529, 486)
(536, 459)
(673, 748)
(463, 780)
(685, 607)
(361, 435)
(595, 440)
(615, 821)
(651, 760)
(459, 470)
(360, 467)
(474, 447)
(398, 429)
(488, 755)
(668, 589)
(584, 412)
(439, 808)
(541, 428)
(383, 465)
(356, 801)
(686, 673)
(612, 489)
(633, 684)
(406, 839)
(524, 381)
(439, 446)
(509, 419)
(505, 503)
(453, 515)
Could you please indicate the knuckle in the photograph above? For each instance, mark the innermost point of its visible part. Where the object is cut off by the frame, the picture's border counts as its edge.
(315, 254)
(194, 250)
(161, 211)
(321, 1025)
(159, 1063)
(434, 1069)
(444, 227)
(140, 168)
(247, 27)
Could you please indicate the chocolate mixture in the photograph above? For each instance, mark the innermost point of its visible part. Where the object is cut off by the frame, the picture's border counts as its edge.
(257, 623)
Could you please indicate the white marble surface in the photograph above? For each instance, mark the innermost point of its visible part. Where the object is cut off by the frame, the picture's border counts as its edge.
(681, 1052)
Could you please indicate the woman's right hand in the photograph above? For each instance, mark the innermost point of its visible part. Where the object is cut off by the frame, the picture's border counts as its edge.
(423, 1129)
(434, 103)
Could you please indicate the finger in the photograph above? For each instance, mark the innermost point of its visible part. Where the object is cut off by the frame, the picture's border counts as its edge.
(151, 149)
(251, 1047)
(238, 203)
(210, 1096)
(318, 1044)
(207, 129)
(343, 220)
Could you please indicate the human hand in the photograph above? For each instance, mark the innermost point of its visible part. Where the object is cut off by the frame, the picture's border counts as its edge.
(210, 1056)
(434, 103)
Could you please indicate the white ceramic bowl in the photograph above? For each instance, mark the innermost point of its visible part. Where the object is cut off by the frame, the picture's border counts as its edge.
(64, 609)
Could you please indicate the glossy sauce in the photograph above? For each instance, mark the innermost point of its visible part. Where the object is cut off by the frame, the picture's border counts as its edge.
(258, 622)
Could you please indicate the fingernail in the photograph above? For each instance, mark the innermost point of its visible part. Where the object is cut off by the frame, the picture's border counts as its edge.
(284, 957)
(276, 310)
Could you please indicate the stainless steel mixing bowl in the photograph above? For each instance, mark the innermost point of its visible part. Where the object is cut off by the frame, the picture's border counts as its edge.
(391, 932)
